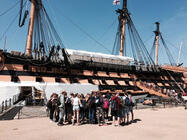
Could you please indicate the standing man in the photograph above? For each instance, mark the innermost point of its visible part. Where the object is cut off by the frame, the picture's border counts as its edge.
(92, 108)
(131, 107)
(61, 100)
(115, 108)
(99, 109)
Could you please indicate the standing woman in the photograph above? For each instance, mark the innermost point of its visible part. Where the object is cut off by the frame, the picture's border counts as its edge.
(82, 107)
(87, 107)
(51, 104)
(76, 108)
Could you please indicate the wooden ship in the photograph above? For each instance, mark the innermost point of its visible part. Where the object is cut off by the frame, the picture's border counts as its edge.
(46, 60)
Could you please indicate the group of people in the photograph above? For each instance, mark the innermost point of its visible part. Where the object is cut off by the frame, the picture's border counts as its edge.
(166, 91)
(94, 108)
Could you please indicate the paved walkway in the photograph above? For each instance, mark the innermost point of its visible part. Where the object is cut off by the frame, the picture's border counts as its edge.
(153, 124)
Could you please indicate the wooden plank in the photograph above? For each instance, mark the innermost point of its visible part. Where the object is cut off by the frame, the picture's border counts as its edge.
(49, 79)
(5, 78)
(83, 81)
(27, 78)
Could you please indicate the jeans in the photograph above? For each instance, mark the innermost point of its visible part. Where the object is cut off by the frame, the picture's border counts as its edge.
(100, 114)
(51, 111)
(61, 115)
(92, 115)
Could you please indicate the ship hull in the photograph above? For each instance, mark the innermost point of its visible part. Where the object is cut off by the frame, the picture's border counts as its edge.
(111, 77)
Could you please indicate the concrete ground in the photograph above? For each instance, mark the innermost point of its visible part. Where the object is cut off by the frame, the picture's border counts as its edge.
(152, 124)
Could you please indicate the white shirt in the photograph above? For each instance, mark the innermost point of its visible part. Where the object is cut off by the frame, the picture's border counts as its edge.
(76, 101)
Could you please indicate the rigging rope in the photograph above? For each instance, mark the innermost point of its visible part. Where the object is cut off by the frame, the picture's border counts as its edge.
(168, 53)
(139, 51)
(9, 9)
(9, 26)
(85, 32)
(116, 47)
(170, 57)
(107, 29)
(22, 21)
(153, 49)
(46, 41)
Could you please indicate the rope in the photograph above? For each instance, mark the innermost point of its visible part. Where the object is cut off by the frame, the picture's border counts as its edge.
(85, 32)
(22, 22)
(170, 57)
(9, 9)
(139, 51)
(153, 49)
(116, 46)
(108, 28)
(9, 26)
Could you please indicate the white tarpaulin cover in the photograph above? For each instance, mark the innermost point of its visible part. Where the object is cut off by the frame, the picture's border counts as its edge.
(99, 55)
(9, 89)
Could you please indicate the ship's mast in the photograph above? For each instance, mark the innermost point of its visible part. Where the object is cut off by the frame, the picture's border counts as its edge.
(157, 33)
(123, 21)
(31, 28)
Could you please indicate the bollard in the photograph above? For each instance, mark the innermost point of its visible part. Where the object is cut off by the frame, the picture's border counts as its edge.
(19, 114)
(136, 104)
(164, 104)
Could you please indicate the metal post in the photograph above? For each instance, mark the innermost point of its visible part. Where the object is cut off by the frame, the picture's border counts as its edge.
(5, 104)
(13, 99)
(10, 102)
(19, 114)
(164, 104)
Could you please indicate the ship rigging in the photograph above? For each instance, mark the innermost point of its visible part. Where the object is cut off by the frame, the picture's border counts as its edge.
(46, 60)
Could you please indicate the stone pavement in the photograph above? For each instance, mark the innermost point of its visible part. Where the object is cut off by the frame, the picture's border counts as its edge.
(152, 124)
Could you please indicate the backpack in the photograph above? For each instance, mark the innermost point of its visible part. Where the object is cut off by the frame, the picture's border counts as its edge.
(122, 102)
(113, 105)
(132, 103)
(49, 104)
(91, 102)
(106, 104)
(83, 102)
(68, 101)
(127, 101)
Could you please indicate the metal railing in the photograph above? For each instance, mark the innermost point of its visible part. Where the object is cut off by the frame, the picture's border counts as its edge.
(158, 103)
(8, 103)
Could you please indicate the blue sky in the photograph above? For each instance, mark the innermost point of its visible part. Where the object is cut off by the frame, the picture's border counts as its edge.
(98, 19)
